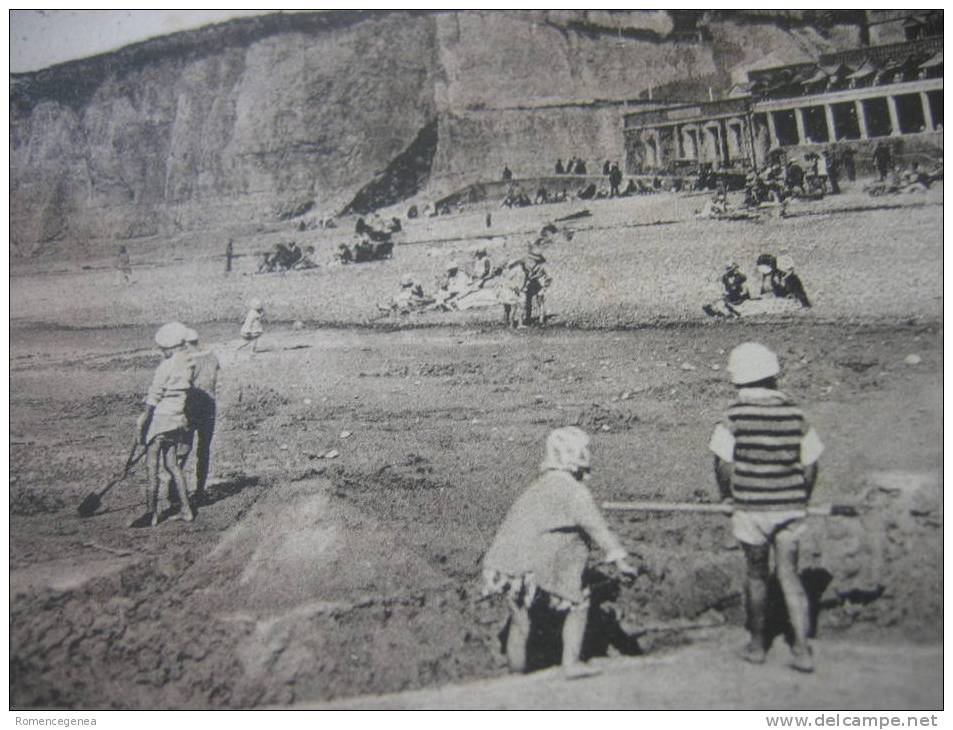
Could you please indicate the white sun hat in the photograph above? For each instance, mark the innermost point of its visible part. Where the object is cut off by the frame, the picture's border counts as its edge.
(750, 362)
(170, 335)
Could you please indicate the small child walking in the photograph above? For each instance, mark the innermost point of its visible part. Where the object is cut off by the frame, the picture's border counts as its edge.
(252, 328)
(766, 456)
(541, 550)
(162, 427)
(123, 265)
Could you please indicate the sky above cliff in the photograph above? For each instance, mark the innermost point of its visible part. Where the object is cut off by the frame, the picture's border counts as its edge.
(41, 38)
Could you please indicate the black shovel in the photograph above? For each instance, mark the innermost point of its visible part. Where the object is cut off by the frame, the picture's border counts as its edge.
(93, 501)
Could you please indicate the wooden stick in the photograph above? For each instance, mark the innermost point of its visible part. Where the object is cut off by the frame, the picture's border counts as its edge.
(114, 551)
(675, 626)
(723, 508)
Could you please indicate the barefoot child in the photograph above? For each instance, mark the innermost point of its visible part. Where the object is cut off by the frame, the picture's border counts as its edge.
(766, 456)
(252, 328)
(162, 426)
(541, 549)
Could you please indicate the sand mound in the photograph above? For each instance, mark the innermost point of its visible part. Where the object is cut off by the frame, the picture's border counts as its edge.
(299, 546)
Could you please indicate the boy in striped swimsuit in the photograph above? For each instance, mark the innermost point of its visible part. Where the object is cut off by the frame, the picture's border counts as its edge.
(766, 456)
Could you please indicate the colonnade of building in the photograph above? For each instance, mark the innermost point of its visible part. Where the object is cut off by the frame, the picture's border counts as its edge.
(746, 135)
(715, 141)
(855, 114)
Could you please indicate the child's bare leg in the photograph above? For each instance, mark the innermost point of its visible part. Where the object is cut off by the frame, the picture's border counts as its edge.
(151, 476)
(795, 598)
(178, 481)
(756, 597)
(518, 637)
(574, 630)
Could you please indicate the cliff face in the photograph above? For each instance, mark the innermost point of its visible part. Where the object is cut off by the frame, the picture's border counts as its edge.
(236, 135)
(258, 119)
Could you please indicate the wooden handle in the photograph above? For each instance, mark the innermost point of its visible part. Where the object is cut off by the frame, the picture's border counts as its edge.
(723, 508)
(716, 507)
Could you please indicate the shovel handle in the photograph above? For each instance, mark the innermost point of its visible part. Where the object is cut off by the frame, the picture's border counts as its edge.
(723, 508)
(131, 461)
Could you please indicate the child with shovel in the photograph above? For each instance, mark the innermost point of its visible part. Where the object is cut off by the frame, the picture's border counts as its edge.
(162, 426)
(541, 550)
(766, 456)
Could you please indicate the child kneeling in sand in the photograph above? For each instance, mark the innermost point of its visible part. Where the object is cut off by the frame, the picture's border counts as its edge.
(766, 456)
(162, 426)
(541, 550)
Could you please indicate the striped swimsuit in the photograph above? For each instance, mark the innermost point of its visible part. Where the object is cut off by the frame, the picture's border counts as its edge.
(768, 433)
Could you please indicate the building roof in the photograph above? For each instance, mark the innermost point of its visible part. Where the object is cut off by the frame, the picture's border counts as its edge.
(935, 60)
(867, 69)
(877, 64)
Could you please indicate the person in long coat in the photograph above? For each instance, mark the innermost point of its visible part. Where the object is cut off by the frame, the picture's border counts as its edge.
(541, 550)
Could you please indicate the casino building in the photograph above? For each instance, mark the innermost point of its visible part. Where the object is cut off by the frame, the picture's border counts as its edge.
(860, 97)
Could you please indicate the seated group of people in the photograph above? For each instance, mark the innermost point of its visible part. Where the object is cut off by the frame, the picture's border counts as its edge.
(374, 242)
(912, 180)
(778, 280)
(785, 178)
(287, 257)
(382, 232)
(543, 196)
(778, 183)
(519, 286)
(364, 250)
(451, 285)
(516, 197)
(635, 186)
(432, 211)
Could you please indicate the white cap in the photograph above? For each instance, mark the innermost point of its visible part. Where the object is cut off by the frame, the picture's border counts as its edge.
(452, 265)
(406, 280)
(170, 335)
(750, 362)
(567, 449)
(255, 303)
(191, 335)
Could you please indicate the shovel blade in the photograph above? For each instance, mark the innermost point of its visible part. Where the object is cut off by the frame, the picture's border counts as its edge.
(89, 506)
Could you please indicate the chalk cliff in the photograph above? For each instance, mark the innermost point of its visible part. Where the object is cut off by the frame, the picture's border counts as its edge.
(262, 119)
